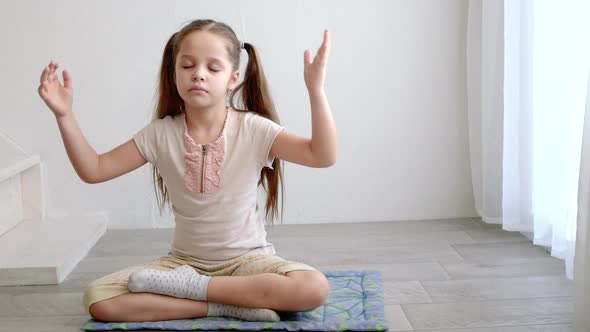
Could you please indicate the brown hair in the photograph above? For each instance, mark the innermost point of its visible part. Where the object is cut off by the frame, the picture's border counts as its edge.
(254, 97)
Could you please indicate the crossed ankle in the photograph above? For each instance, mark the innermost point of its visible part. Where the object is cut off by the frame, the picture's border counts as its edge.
(249, 314)
(181, 282)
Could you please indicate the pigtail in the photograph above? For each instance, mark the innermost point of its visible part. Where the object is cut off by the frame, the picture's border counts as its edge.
(169, 103)
(256, 98)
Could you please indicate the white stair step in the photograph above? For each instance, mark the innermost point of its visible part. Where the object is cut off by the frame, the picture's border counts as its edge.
(14, 159)
(22, 185)
(22, 197)
(17, 165)
(11, 203)
(44, 252)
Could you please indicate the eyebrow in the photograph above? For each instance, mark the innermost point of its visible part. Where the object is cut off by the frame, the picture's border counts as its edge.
(191, 57)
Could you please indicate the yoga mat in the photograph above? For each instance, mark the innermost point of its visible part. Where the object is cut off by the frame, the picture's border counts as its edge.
(355, 304)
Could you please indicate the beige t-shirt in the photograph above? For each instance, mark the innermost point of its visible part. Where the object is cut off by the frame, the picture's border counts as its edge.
(213, 193)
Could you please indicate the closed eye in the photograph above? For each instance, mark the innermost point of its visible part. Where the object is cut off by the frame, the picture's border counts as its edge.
(213, 70)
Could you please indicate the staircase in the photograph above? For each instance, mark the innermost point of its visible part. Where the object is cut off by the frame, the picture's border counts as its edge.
(35, 249)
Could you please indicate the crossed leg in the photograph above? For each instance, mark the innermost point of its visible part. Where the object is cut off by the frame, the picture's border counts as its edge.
(296, 291)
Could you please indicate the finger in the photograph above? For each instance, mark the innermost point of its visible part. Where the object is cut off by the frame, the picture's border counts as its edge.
(43, 89)
(67, 79)
(325, 47)
(53, 69)
(44, 74)
(54, 73)
(307, 57)
(328, 38)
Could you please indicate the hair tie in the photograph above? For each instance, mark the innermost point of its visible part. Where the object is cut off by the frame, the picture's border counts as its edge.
(242, 44)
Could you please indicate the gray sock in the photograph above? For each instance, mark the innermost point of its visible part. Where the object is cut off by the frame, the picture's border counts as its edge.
(249, 314)
(181, 282)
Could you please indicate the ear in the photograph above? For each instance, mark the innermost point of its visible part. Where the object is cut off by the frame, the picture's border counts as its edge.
(233, 80)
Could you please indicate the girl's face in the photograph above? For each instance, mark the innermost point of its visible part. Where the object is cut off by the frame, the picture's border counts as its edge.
(203, 61)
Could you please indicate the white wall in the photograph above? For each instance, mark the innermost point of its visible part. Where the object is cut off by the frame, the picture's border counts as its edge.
(396, 84)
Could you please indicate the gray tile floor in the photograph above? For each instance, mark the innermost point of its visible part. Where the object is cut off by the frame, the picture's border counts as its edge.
(438, 275)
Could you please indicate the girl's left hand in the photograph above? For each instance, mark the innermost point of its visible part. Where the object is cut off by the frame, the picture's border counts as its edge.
(314, 71)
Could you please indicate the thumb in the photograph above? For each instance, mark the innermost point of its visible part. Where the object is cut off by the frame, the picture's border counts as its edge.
(67, 79)
(307, 57)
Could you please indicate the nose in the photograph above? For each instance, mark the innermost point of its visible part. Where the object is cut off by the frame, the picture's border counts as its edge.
(198, 75)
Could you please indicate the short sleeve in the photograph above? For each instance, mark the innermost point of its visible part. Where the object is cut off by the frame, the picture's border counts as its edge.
(147, 139)
(264, 133)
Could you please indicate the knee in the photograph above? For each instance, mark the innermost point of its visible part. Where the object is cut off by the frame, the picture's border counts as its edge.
(101, 310)
(321, 289)
(316, 290)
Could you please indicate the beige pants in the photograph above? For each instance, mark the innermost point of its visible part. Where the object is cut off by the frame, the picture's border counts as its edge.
(116, 283)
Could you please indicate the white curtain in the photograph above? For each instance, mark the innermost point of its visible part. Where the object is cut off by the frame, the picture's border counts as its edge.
(582, 257)
(484, 105)
(526, 83)
(517, 182)
(527, 78)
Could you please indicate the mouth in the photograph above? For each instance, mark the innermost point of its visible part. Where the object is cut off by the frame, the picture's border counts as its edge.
(196, 89)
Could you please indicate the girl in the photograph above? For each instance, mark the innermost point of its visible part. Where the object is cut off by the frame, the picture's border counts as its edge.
(208, 161)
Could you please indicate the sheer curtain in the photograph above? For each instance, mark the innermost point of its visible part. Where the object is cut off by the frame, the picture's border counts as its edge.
(527, 78)
(527, 84)
(582, 257)
(484, 105)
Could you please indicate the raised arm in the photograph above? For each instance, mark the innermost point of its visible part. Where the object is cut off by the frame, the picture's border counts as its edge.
(321, 149)
(90, 166)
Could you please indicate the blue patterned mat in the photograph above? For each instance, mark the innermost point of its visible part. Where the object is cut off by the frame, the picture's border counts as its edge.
(355, 304)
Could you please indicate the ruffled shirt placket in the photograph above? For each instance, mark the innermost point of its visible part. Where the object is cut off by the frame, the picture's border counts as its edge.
(202, 172)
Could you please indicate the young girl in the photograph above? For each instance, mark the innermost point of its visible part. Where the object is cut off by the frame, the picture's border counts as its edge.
(208, 161)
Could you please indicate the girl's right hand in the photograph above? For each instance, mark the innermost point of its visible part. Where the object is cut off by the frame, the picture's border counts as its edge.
(57, 97)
